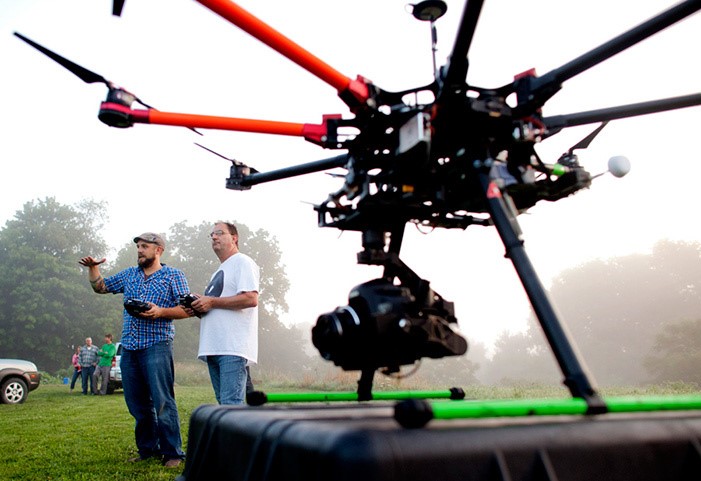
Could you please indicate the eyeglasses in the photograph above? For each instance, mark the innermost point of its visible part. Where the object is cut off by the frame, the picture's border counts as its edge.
(217, 233)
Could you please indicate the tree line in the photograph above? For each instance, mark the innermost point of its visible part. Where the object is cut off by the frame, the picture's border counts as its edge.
(635, 319)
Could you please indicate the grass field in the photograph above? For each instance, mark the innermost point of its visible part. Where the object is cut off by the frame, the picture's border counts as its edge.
(57, 435)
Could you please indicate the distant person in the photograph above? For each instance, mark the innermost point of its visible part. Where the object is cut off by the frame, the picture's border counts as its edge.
(229, 309)
(75, 362)
(88, 361)
(148, 374)
(104, 364)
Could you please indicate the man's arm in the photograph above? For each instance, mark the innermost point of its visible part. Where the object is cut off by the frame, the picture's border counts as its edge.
(96, 281)
(242, 300)
(156, 312)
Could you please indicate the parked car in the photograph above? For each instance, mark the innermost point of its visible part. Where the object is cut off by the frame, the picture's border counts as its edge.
(115, 371)
(17, 378)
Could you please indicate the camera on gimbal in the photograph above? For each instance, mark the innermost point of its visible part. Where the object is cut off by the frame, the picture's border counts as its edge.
(385, 326)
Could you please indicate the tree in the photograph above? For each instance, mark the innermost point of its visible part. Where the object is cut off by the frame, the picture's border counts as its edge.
(522, 357)
(676, 354)
(614, 310)
(47, 305)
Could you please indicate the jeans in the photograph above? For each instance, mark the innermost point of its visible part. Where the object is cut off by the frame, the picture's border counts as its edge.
(104, 373)
(228, 375)
(87, 372)
(76, 374)
(148, 376)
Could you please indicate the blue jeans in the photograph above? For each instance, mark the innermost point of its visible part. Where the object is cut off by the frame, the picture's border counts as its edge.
(76, 374)
(86, 372)
(228, 375)
(148, 376)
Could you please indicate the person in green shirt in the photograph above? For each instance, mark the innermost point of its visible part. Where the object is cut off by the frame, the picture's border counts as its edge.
(104, 364)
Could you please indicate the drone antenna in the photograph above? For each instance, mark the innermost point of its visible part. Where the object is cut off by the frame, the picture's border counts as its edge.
(430, 11)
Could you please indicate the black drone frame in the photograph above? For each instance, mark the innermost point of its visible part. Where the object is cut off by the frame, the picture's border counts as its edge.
(466, 158)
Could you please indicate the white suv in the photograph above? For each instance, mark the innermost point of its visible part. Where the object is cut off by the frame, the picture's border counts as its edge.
(17, 378)
(115, 371)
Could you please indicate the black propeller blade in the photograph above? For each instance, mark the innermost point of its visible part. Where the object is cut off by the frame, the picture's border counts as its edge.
(82, 73)
(117, 7)
(86, 75)
(584, 143)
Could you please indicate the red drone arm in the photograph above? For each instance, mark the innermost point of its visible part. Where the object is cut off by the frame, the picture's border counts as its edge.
(357, 89)
(117, 115)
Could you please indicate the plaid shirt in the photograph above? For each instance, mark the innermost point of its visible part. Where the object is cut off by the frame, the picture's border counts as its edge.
(163, 288)
(88, 355)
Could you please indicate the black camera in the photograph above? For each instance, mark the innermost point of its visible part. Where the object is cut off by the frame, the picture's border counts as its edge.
(135, 307)
(186, 300)
(385, 326)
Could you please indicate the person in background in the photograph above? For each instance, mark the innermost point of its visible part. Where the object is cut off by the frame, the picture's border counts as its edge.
(104, 364)
(229, 312)
(75, 361)
(88, 360)
(148, 372)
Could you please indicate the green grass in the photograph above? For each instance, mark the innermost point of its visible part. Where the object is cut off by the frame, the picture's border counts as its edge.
(57, 435)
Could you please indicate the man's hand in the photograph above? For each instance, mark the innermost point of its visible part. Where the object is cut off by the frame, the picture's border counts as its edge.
(91, 261)
(153, 313)
(203, 304)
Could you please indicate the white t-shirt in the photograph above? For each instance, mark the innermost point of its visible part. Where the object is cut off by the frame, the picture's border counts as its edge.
(226, 331)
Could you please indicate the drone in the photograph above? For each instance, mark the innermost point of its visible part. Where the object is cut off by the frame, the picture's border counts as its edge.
(465, 157)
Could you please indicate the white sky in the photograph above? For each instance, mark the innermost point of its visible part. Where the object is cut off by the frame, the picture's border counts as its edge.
(180, 57)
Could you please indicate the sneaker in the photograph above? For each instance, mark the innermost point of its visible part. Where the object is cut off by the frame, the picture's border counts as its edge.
(137, 459)
(172, 463)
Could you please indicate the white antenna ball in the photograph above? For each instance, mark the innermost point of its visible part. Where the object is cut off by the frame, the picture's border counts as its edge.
(619, 165)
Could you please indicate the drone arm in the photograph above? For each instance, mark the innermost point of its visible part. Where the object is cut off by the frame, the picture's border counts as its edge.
(241, 182)
(539, 89)
(557, 122)
(317, 133)
(457, 67)
(357, 89)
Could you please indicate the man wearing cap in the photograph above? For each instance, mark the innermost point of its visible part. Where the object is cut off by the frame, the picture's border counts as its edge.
(148, 374)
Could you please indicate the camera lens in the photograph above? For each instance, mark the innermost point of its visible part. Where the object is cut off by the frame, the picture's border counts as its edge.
(333, 330)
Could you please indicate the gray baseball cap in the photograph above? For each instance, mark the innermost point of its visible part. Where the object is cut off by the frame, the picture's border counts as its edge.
(152, 238)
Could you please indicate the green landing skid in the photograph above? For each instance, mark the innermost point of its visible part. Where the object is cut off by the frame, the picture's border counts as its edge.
(418, 413)
(258, 398)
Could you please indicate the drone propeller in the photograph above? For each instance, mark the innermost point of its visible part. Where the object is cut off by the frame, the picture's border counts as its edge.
(569, 158)
(233, 161)
(82, 73)
(117, 7)
(584, 143)
(115, 94)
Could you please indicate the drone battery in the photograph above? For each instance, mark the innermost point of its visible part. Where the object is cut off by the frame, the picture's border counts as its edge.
(414, 134)
(362, 442)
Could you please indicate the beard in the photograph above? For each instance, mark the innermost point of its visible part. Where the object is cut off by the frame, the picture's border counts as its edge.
(145, 262)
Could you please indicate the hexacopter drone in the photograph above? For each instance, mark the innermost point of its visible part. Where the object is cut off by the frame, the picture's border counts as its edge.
(466, 157)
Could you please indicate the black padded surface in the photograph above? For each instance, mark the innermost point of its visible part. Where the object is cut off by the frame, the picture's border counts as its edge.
(362, 442)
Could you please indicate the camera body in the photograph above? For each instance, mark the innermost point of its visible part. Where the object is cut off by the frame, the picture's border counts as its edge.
(135, 307)
(385, 326)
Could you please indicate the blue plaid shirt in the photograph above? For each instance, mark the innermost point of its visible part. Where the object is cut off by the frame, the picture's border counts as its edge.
(163, 288)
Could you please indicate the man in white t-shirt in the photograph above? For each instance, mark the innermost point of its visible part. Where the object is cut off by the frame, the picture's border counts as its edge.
(229, 310)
